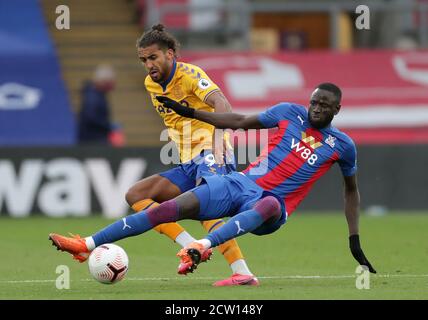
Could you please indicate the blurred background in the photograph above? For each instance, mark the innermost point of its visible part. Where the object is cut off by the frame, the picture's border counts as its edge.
(259, 52)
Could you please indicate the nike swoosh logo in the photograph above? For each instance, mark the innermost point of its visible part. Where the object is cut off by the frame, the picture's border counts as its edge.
(242, 281)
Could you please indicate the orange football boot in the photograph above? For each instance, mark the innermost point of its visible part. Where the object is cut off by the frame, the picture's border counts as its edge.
(191, 256)
(75, 245)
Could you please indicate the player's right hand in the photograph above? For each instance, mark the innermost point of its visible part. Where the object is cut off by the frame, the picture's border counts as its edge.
(357, 252)
(176, 106)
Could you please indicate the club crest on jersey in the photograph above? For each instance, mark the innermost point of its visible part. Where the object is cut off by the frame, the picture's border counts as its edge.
(311, 141)
(204, 84)
(330, 141)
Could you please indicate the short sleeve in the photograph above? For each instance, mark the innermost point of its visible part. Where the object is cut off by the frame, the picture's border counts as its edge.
(275, 114)
(199, 82)
(348, 160)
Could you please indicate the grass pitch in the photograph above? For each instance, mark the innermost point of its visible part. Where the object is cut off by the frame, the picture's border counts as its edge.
(308, 258)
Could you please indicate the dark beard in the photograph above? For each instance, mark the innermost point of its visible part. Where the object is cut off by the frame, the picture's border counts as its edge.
(320, 125)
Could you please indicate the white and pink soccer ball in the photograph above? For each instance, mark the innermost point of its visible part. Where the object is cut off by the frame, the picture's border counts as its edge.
(108, 263)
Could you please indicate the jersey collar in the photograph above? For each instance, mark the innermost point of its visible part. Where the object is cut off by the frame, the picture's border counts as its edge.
(171, 75)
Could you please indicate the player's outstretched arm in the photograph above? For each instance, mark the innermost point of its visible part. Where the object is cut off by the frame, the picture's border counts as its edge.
(218, 101)
(352, 203)
(219, 120)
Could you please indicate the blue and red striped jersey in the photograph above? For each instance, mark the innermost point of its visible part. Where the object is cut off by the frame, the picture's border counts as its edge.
(298, 154)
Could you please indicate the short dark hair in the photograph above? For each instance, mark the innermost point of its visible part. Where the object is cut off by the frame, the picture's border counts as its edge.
(158, 35)
(331, 87)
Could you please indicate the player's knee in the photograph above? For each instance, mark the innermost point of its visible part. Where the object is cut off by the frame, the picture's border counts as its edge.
(133, 195)
(137, 193)
(148, 188)
(269, 208)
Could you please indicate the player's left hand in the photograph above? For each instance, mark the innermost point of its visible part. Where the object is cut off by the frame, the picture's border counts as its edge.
(357, 252)
(177, 107)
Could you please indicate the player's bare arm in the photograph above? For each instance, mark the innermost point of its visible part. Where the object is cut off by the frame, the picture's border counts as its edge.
(352, 204)
(219, 102)
(219, 120)
(229, 120)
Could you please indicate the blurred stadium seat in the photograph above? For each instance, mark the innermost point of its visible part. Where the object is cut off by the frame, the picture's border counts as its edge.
(34, 106)
(110, 38)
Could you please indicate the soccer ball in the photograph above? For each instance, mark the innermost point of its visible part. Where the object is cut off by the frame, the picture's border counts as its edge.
(108, 263)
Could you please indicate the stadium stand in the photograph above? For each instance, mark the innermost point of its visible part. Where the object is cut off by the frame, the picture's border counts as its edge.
(109, 37)
(34, 107)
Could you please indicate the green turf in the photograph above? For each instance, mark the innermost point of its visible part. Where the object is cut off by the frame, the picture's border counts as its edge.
(308, 245)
